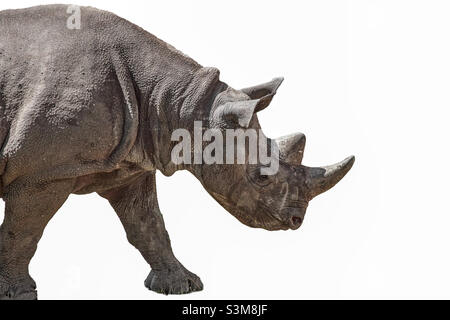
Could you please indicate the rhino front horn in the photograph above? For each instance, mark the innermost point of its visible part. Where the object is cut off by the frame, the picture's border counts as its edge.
(321, 179)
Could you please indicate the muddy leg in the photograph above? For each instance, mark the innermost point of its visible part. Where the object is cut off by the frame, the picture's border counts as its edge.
(28, 209)
(137, 207)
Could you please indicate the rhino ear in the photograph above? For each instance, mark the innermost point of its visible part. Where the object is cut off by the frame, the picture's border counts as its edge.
(240, 112)
(263, 92)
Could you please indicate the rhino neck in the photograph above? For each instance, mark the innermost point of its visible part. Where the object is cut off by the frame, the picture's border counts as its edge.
(176, 105)
(172, 89)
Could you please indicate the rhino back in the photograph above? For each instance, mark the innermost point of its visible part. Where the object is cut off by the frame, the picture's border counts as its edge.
(59, 94)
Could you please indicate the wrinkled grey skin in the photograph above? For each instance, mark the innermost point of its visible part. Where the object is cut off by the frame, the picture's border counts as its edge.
(92, 110)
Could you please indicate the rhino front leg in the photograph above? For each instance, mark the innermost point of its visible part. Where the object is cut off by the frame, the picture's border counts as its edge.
(28, 209)
(137, 207)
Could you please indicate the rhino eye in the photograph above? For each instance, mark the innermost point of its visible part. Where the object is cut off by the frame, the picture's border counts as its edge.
(259, 179)
(262, 179)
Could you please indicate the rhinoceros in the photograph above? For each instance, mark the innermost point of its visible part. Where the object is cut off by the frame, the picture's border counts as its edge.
(92, 109)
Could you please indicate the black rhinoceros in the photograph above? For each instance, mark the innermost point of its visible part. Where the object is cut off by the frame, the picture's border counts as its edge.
(92, 109)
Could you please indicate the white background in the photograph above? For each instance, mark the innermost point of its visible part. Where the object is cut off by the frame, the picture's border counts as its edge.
(369, 78)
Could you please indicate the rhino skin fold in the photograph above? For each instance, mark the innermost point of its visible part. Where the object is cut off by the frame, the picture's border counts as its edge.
(92, 110)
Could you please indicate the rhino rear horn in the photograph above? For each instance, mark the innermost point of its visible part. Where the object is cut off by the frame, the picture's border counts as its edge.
(321, 179)
(263, 92)
(291, 148)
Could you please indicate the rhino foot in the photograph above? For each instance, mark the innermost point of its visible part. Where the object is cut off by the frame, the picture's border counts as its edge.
(179, 281)
(21, 290)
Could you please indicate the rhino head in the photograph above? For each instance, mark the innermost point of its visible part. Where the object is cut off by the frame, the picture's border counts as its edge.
(273, 202)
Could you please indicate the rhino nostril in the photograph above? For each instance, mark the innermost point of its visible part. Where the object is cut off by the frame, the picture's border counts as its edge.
(296, 221)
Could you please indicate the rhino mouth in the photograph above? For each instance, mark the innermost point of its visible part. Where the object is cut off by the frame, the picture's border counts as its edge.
(286, 218)
(276, 223)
